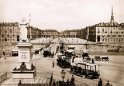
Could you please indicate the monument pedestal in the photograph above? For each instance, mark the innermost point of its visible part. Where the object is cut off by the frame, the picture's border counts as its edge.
(24, 68)
(29, 75)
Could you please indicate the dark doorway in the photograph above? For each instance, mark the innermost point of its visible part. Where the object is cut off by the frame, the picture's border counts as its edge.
(18, 38)
(98, 38)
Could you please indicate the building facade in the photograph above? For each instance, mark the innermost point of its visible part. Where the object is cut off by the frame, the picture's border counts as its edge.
(9, 36)
(110, 32)
(33, 32)
(9, 32)
(50, 33)
(71, 33)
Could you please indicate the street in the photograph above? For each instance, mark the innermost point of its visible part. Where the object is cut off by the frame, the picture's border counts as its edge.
(109, 70)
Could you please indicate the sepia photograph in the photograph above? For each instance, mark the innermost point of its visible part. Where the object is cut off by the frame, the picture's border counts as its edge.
(61, 43)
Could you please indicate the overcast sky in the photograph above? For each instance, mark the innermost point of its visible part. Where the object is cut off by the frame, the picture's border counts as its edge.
(61, 14)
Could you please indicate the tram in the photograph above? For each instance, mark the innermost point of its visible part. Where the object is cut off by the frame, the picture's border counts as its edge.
(81, 66)
(86, 70)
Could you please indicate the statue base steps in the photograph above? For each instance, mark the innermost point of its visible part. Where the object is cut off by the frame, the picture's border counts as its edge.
(29, 75)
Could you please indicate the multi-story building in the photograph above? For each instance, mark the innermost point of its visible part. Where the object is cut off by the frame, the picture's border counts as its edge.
(33, 32)
(50, 33)
(9, 36)
(71, 33)
(110, 32)
(9, 32)
(64, 33)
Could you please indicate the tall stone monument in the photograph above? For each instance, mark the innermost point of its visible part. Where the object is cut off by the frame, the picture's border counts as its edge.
(24, 68)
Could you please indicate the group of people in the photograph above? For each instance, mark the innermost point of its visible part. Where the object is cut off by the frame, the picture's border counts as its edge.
(70, 82)
(100, 83)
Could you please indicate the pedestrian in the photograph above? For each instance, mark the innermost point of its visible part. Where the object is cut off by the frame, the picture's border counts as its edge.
(4, 56)
(100, 82)
(108, 84)
(3, 53)
(72, 82)
(20, 83)
(73, 59)
(93, 61)
(68, 82)
(53, 64)
(63, 74)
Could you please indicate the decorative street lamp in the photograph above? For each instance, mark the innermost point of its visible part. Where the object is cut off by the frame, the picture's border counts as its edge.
(63, 74)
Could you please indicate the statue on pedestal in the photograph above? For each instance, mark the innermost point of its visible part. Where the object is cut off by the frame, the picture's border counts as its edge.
(25, 69)
(23, 30)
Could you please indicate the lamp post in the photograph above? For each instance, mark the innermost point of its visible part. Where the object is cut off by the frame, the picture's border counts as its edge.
(63, 74)
(99, 68)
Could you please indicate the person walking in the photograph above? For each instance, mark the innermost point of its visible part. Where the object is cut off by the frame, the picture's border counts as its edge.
(72, 82)
(68, 82)
(20, 83)
(4, 55)
(100, 82)
(73, 59)
(63, 74)
(93, 61)
(53, 64)
(108, 84)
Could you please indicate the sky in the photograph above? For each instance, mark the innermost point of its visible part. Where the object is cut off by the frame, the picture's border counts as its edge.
(61, 14)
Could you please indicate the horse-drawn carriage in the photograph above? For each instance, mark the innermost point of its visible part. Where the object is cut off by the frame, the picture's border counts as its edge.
(103, 58)
(63, 62)
(46, 53)
(85, 55)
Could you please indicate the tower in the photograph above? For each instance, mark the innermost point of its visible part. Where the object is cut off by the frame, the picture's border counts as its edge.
(112, 16)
